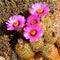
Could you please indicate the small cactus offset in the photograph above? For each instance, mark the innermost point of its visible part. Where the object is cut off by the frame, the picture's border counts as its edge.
(46, 21)
(49, 36)
(37, 46)
(24, 51)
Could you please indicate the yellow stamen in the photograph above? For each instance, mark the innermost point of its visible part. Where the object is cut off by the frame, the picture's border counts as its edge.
(15, 24)
(33, 32)
(33, 22)
(40, 11)
(21, 46)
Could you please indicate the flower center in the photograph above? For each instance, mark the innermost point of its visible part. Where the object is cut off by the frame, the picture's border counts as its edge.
(17, 23)
(33, 32)
(40, 11)
(33, 22)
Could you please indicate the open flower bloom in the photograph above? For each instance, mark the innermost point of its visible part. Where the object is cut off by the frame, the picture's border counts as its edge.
(39, 9)
(33, 32)
(33, 20)
(15, 22)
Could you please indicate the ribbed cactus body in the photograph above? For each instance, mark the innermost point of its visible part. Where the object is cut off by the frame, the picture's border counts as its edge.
(46, 21)
(49, 36)
(47, 50)
(24, 51)
(36, 46)
(50, 51)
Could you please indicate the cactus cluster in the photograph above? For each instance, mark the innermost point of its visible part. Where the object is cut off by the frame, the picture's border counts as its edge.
(24, 51)
(37, 32)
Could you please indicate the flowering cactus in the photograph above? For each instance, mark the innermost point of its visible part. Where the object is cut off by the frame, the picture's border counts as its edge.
(39, 9)
(33, 32)
(15, 22)
(33, 20)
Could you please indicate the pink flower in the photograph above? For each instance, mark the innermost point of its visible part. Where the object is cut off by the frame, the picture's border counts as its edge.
(15, 22)
(39, 9)
(33, 20)
(33, 32)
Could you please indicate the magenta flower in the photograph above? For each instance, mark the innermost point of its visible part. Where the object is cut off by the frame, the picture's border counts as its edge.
(39, 9)
(33, 32)
(15, 22)
(33, 20)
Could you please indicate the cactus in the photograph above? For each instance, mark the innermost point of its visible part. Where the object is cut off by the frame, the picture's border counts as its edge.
(24, 51)
(47, 50)
(50, 51)
(46, 21)
(36, 46)
(49, 36)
